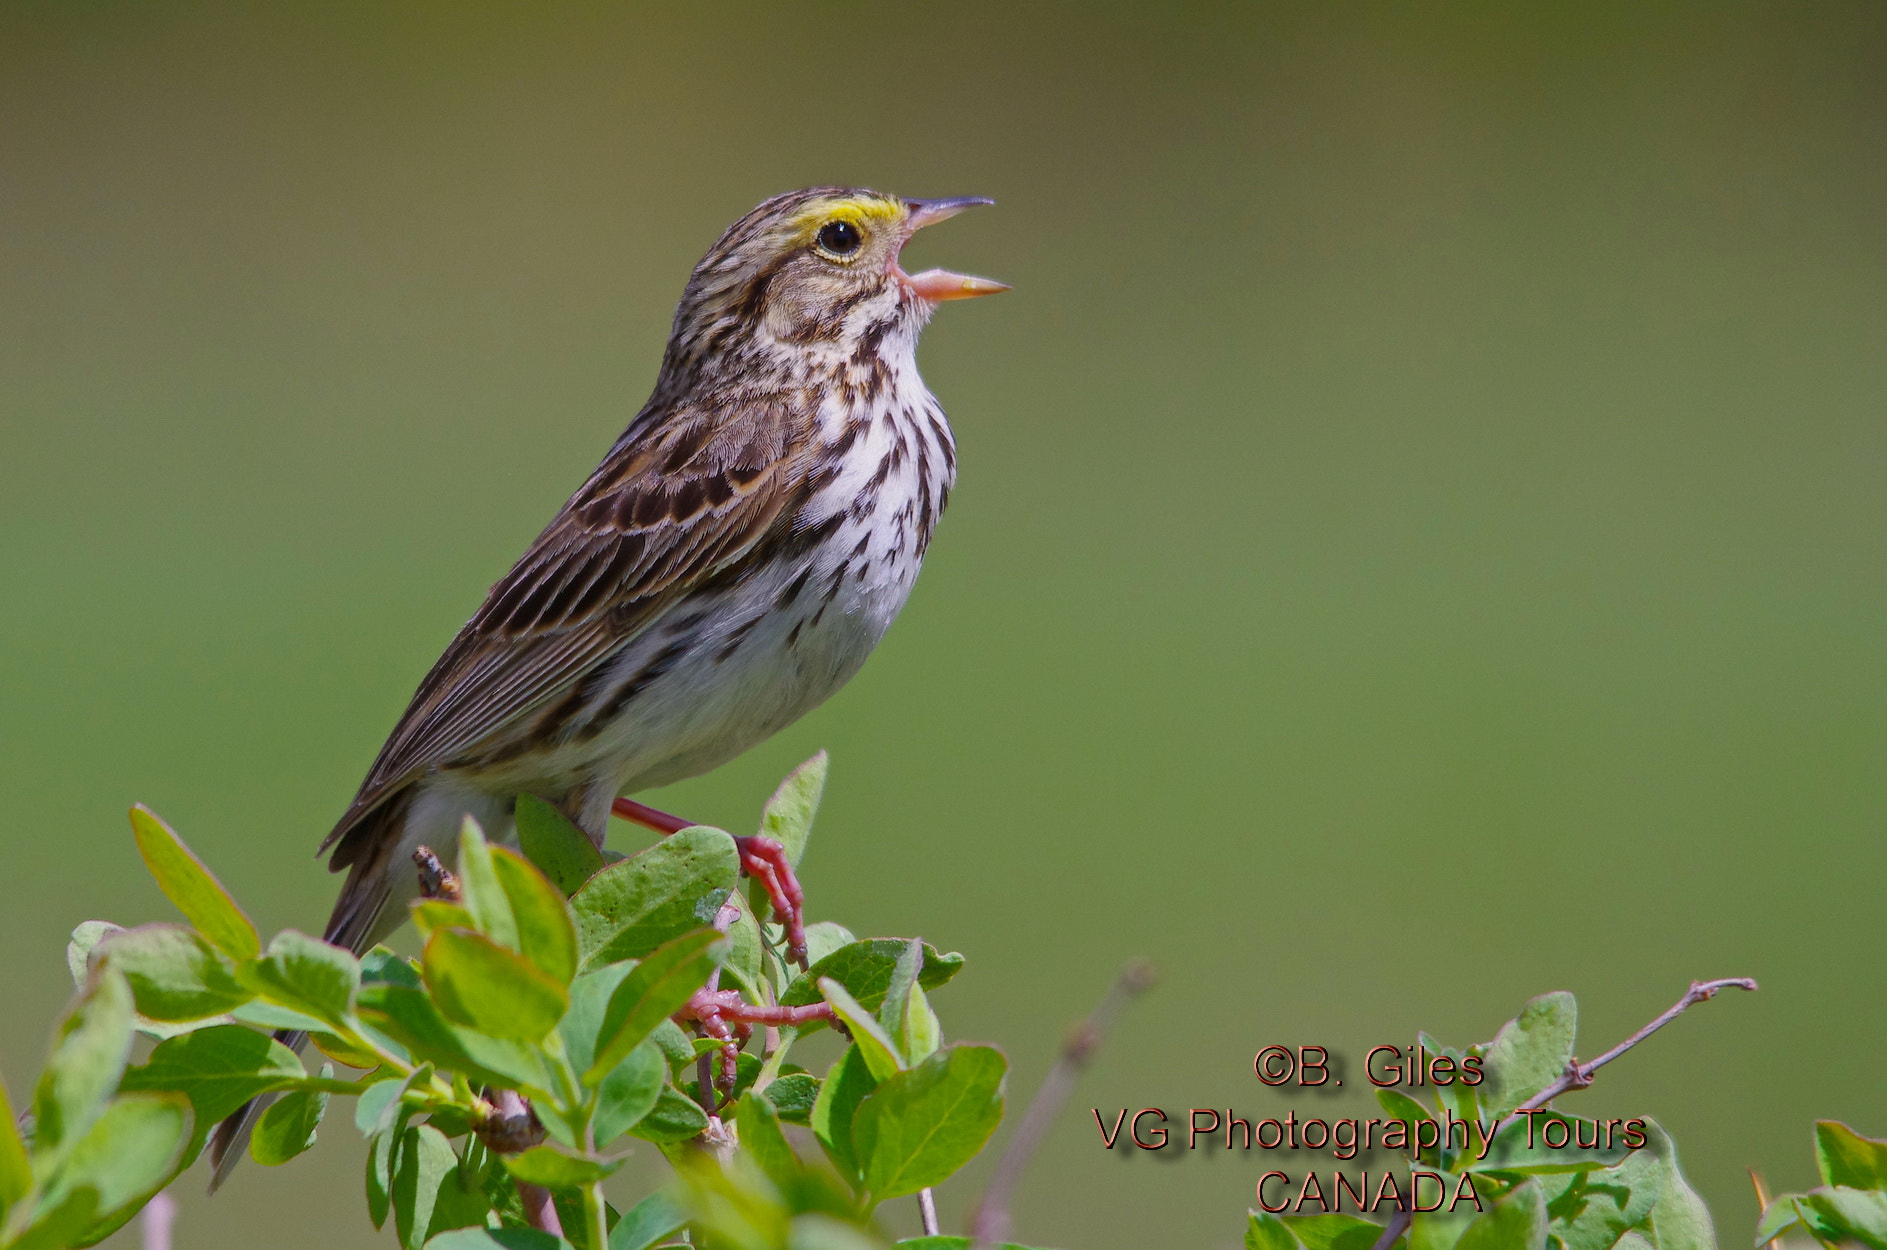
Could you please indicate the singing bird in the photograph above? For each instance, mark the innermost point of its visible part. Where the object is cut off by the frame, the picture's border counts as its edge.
(731, 563)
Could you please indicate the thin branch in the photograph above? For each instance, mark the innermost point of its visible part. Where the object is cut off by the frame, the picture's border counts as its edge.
(927, 1208)
(992, 1222)
(154, 1227)
(1579, 1075)
(1398, 1225)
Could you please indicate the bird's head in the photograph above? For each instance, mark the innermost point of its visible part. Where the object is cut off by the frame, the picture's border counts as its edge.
(815, 268)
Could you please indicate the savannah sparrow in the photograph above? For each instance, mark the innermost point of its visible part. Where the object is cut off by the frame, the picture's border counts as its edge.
(732, 562)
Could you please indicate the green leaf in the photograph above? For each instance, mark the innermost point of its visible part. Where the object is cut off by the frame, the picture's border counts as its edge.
(1847, 1158)
(564, 852)
(129, 1154)
(918, 1127)
(381, 966)
(479, 889)
(305, 974)
(89, 1052)
(423, 1167)
(498, 1239)
(546, 934)
(373, 1109)
(459, 1203)
(218, 1069)
(745, 957)
(631, 907)
(865, 970)
(793, 1097)
(1510, 1152)
(1838, 1214)
(919, 1033)
(1679, 1221)
(482, 985)
(1530, 1052)
(64, 1224)
(647, 1224)
(760, 1136)
(410, 1018)
(1402, 1107)
(674, 1045)
(1267, 1232)
(267, 1015)
(16, 1171)
(174, 973)
(1592, 1210)
(629, 1092)
(79, 950)
(192, 887)
(1334, 1231)
(787, 819)
(288, 1127)
(589, 999)
(379, 1176)
(1462, 1099)
(836, 1109)
(656, 989)
(675, 1118)
(1781, 1218)
(898, 992)
(553, 1169)
(825, 936)
(1516, 1221)
(433, 914)
(881, 1055)
(346, 1052)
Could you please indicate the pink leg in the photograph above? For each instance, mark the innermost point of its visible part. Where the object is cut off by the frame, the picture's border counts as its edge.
(763, 859)
(728, 1018)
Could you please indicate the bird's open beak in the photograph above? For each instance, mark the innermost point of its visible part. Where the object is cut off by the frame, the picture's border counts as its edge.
(937, 285)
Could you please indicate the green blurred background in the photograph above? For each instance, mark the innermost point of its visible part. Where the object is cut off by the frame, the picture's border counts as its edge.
(1420, 540)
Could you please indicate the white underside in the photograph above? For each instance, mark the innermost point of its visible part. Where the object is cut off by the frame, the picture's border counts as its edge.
(704, 710)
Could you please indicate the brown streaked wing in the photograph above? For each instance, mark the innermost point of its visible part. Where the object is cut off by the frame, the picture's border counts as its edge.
(679, 496)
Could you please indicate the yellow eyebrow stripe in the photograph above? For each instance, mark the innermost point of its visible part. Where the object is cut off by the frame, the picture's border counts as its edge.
(861, 209)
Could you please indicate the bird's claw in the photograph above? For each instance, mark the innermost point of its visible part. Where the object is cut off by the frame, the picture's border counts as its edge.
(765, 860)
(729, 1019)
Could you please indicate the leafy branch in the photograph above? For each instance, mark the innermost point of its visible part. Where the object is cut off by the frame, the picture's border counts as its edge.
(564, 1003)
(1578, 1076)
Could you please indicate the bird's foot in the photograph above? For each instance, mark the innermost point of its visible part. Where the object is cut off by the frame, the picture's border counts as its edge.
(729, 1019)
(763, 859)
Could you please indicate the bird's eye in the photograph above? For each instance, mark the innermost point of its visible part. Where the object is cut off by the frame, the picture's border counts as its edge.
(841, 238)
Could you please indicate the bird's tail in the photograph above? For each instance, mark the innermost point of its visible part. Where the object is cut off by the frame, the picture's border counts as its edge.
(360, 919)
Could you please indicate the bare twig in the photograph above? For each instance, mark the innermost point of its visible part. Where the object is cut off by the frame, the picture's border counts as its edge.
(1398, 1225)
(1579, 1075)
(927, 1209)
(991, 1223)
(154, 1227)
